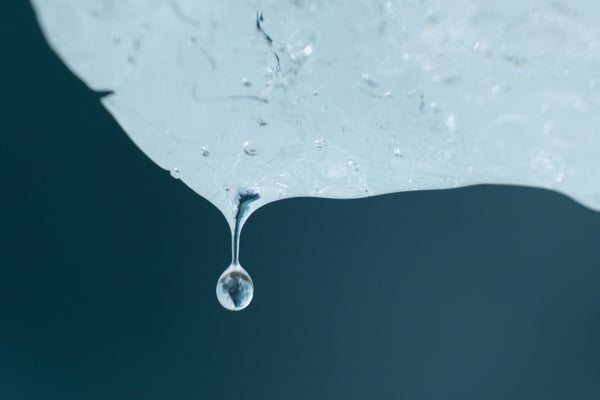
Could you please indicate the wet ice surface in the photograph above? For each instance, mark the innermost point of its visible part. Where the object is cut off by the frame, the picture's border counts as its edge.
(346, 99)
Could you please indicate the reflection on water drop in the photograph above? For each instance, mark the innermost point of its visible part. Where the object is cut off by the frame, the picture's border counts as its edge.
(398, 152)
(320, 143)
(250, 148)
(235, 288)
(175, 173)
(204, 151)
(354, 165)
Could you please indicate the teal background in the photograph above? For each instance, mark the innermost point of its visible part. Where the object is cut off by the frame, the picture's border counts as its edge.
(108, 269)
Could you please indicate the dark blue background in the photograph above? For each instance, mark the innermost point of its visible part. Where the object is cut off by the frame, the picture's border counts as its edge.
(108, 269)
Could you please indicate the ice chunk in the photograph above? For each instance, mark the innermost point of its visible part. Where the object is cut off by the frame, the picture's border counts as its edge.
(349, 98)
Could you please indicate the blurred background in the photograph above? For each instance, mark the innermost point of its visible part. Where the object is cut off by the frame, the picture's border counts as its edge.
(108, 269)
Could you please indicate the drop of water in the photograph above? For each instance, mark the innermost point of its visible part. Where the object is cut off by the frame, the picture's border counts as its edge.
(175, 173)
(354, 165)
(204, 151)
(235, 288)
(250, 148)
(398, 152)
(451, 123)
(320, 143)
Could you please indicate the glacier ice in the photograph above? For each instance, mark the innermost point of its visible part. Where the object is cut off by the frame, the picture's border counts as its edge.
(346, 99)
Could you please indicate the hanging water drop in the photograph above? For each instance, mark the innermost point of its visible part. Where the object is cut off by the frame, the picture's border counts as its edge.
(175, 173)
(235, 288)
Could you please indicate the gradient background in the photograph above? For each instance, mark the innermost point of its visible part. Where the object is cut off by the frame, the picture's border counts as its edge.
(108, 269)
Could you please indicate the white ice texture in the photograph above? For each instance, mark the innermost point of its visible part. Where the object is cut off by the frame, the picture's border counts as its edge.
(346, 98)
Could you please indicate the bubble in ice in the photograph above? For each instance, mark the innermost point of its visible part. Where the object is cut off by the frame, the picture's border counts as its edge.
(467, 104)
(235, 288)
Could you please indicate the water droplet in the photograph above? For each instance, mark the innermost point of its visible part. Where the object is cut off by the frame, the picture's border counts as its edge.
(227, 188)
(354, 164)
(307, 51)
(261, 122)
(451, 123)
(560, 175)
(115, 37)
(204, 151)
(398, 152)
(246, 82)
(315, 92)
(235, 288)
(250, 148)
(175, 173)
(320, 143)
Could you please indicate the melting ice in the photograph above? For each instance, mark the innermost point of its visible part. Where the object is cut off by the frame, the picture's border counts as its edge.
(345, 99)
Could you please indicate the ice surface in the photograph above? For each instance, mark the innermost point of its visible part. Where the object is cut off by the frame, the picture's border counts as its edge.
(346, 98)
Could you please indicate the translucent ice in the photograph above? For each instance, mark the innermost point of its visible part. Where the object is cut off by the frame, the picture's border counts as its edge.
(346, 98)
